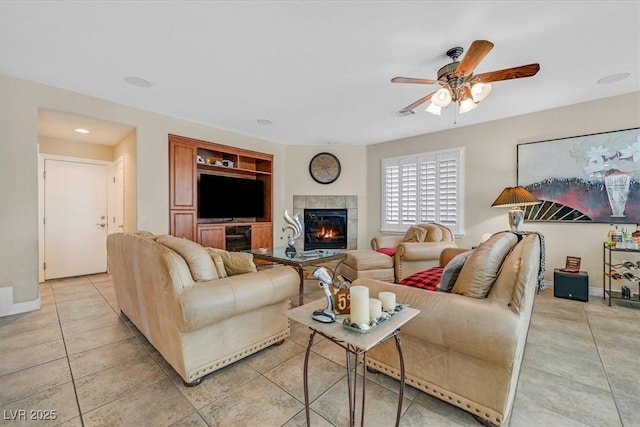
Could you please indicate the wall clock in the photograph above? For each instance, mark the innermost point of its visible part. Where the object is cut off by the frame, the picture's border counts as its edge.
(324, 168)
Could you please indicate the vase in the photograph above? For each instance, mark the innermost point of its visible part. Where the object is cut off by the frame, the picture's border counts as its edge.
(617, 191)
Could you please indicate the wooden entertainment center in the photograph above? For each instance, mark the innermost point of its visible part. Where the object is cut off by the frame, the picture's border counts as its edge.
(188, 159)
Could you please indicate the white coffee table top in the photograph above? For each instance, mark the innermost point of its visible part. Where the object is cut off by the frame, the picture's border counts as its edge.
(335, 330)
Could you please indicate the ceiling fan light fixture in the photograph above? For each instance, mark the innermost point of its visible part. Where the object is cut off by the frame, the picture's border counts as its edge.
(479, 91)
(442, 97)
(467, 105)
(434, 109)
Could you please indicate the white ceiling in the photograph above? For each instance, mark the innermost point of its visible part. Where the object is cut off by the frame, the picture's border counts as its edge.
(319, 70)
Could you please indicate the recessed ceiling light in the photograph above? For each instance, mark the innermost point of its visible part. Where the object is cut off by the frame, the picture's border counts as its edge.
(81, 130)
(613, 78)
(137, 81)
(265, 122)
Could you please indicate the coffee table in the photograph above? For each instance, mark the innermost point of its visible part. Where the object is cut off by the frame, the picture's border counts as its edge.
(353, 342)
(298, 260)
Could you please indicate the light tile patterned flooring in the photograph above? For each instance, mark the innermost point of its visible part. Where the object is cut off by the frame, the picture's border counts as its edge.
(78, 357)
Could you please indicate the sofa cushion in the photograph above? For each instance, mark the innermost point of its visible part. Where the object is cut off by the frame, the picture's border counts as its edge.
(200, 263)
(364, 259)
(235, 262)
(427, 279)
(387, 251)
(415, 234)
(480, 270)
(452, 271)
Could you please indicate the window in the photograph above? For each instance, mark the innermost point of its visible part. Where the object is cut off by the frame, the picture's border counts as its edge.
(425, 187)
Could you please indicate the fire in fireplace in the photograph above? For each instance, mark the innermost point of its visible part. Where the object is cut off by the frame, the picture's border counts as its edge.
(325, 229)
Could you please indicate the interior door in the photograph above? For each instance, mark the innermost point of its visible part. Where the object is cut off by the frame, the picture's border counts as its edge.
(75, 209)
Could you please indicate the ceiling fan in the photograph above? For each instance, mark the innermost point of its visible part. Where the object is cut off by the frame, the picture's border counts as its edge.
(458, 82)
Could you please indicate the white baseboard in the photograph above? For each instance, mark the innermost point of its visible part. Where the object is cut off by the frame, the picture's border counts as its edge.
(8, 307)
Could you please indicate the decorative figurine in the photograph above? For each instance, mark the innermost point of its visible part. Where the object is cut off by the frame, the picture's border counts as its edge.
(327, 315)
(296, 226)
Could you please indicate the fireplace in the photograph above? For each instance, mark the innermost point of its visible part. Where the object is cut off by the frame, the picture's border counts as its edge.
(325, 229)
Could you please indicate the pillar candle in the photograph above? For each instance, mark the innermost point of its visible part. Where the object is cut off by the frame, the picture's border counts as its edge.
(359, 304)
(375, 309)
(388, 300)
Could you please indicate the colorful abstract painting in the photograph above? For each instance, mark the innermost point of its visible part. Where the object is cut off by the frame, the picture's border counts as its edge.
(592, 178)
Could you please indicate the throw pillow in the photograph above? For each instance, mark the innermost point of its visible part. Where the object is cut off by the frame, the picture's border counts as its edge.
(235, 262)
(434, 233)
(387, 251)
(415, 234)
(219, 263)
(452, 271)
(197, 258)
(481, 269)
(427, 279)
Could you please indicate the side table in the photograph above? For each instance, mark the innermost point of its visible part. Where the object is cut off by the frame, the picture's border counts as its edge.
(354, 343)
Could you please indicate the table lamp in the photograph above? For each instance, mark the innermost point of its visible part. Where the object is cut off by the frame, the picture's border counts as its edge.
(515, 197)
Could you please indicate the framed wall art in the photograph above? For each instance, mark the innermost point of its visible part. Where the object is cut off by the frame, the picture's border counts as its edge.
(587, 178)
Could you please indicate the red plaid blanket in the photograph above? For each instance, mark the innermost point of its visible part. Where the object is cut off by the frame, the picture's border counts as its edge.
(427, 279)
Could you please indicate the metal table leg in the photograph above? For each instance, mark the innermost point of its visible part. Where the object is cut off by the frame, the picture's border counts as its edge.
(306, 378)
(401, 394)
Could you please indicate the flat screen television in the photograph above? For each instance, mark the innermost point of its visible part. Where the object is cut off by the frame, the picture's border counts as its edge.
(227, 198)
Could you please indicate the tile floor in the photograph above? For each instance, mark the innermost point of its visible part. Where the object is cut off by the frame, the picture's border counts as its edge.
(76, 356)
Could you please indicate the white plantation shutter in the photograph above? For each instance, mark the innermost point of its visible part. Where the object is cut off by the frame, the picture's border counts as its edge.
(423, 188)
(391, 198)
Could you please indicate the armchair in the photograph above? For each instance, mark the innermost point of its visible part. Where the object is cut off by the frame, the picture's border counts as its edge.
(418, 250)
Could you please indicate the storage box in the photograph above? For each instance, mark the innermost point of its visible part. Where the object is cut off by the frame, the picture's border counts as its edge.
(571, 285)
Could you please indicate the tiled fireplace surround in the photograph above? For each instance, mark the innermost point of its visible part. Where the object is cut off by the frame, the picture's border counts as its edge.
(350, 203)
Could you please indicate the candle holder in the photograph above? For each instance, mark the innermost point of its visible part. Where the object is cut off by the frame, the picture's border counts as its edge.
(364, 328)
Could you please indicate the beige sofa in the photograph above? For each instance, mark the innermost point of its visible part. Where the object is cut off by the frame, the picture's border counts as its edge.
(176, 293)
(466, 346)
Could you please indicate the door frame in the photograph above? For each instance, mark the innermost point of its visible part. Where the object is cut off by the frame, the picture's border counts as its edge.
(111, 199)
(41, 160)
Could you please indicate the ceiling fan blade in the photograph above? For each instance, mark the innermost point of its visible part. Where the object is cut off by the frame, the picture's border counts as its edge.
(476, 53)
(418, 102)
(412, 80)
(507, 74)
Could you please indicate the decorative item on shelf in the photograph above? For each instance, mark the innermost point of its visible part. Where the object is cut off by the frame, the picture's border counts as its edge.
(515, 197)
(199, 160)
(227, 163)
(327, 315)
(296, 227)
(572, 265)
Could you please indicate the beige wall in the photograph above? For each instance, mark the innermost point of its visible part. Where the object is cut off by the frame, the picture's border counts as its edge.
(491, 165)
(19, 107)
(352, 181)
(127, 149)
